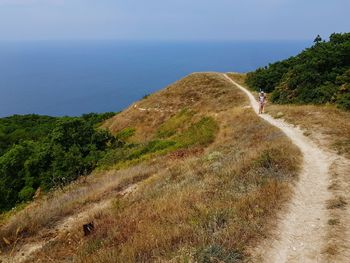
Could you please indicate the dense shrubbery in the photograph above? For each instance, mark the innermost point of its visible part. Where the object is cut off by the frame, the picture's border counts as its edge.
(48, 152)
(319, 74)
(40, 151)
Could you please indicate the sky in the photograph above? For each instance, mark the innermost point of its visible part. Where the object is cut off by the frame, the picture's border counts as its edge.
(214, 20)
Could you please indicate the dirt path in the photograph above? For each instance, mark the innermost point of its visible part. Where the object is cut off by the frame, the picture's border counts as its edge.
(301, 234)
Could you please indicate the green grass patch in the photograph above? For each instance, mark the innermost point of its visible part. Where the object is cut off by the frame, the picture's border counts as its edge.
(200, 133)
(175, 123)
(125, 134)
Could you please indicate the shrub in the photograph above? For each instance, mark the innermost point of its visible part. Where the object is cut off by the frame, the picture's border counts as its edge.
(319, 74)
(26, 193)
(344, 101)
(67, 148)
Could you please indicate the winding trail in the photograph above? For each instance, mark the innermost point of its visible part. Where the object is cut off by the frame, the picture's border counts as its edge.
(301, 232)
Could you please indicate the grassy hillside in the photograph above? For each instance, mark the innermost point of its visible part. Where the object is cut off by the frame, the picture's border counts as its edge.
(199, 179)
(327, 125)
(318, 75)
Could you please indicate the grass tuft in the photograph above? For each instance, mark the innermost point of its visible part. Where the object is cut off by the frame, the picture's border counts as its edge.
(216, 253)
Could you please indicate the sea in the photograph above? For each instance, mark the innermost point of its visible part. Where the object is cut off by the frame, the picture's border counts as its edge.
(69, 78)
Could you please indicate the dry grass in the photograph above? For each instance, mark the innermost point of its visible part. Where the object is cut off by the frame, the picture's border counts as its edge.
(43, 214)
(208, 205)
(203, 93)
(336, 203)
(325, 124)
(238, 77)
(329, 127)
(225, 202)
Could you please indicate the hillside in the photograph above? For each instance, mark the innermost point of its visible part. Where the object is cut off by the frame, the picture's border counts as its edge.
(318, 75)
(328, 128)
(204, 94)
(198, 178)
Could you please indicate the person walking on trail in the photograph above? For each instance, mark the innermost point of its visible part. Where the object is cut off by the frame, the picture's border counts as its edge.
(262, 102)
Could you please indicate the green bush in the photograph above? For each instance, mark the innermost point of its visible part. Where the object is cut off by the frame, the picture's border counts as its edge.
(26, 193)
(47, 152)
(344, 101)
(320, 74)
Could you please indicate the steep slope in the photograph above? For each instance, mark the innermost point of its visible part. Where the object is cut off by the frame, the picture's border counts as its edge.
(205, 94)
(198, 202)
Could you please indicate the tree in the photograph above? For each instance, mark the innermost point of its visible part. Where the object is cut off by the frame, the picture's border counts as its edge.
(318, 39)
(12, 174)
(319, 74)
(40, 151)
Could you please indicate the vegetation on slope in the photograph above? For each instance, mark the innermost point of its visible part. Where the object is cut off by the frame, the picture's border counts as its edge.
(169, 138)
(212, 196)
(320, 74)
(202, 209)
(40, 151)
(327, 125)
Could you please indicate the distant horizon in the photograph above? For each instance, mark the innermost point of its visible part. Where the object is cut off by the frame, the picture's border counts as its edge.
(156, 20)
(160, 40)
(70, 78)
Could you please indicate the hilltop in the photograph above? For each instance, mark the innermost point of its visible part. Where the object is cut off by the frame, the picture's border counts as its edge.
(197, 177)
(192, 174)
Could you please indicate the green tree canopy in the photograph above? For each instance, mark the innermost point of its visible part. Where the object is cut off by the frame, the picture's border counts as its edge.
(317, 75)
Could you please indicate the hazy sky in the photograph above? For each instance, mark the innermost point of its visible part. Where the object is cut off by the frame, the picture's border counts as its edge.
(172, 19)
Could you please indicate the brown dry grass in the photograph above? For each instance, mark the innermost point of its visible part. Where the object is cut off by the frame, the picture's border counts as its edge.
(227, 198)
(325, 124)
(214, 203)
(43, 214)
(204, 93)
(227, 201)
(329, 127)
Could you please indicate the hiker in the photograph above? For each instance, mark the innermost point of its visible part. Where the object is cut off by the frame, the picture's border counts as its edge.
(262, 102)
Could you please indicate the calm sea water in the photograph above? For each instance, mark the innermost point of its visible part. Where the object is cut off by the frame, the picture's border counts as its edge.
(71, 78)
